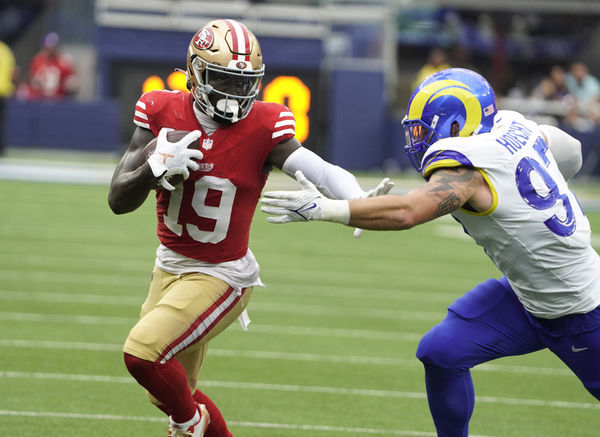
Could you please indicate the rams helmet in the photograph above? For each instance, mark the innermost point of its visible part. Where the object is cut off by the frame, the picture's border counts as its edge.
(224, 70)
(448, 96)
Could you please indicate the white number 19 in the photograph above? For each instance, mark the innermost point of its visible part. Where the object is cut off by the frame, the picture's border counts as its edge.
(221, 213)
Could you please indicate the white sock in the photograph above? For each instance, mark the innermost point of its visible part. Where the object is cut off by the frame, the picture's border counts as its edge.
(186, 425)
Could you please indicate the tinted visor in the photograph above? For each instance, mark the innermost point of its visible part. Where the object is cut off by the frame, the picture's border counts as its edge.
(229, 82)
(417, 133)
(419, 137)
(232, 84)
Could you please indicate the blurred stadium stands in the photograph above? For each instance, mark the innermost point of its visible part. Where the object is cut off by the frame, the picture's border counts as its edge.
(357, 59)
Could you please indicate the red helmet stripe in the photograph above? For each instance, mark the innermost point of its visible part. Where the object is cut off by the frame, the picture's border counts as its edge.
(240, 40)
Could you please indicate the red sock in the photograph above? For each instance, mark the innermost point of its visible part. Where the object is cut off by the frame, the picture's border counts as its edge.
(167, 383)
(217, 426)
(162, 408)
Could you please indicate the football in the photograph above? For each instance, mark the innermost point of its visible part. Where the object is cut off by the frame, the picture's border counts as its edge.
(173, 136)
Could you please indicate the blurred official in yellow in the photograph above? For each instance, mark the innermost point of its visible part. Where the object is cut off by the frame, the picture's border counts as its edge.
(7, 87)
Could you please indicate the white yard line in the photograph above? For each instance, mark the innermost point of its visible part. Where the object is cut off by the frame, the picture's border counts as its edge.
(241, 424)
(67, 319)
(290, 388)
(275, 355)
(321, 310)
(85, 277)
(77, 236)
(49, 276)
(55, 172)
(283, 289)
(255, 328)
(84, 298)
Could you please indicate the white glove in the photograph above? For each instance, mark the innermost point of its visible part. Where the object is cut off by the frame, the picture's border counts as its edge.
(382, 189)
(307, 204)
(170, 159)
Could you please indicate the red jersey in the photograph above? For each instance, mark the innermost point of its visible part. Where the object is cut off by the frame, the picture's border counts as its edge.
(208, 217)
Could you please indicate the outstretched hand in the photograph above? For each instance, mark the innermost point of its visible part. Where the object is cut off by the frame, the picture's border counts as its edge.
(382, 189)
(293, 206)
(304, 205)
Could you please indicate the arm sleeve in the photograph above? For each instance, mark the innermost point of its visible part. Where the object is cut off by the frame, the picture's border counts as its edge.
(331, 180)
(565, 149)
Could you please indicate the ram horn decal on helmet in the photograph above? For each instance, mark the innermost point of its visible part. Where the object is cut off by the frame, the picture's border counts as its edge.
(450, 96)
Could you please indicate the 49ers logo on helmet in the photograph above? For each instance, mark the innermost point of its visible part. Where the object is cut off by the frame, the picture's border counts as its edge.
(241, 65)
(204, 38)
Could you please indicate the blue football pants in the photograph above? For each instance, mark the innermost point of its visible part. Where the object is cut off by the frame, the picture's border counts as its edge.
(489, 322)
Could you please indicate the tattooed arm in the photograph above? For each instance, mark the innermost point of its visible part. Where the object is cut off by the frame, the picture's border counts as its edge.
(446, 191)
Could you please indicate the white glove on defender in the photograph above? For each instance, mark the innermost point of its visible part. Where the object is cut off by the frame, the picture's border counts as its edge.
(170, 159)
(307, 204)
(382, 189)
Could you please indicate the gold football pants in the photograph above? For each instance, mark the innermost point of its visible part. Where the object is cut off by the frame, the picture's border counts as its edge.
(181, 314)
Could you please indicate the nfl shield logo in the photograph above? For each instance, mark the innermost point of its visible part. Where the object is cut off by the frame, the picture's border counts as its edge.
(207, 143)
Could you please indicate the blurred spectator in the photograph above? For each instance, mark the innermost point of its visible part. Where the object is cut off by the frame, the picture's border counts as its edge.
(545, 90)
(558, 78)
(553, 99)
(7, 71)
(51, 73)
(585, 88)
(553, 86)
(436, 61)
(547, 102)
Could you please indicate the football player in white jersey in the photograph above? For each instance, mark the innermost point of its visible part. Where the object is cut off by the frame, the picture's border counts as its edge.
(503, 177)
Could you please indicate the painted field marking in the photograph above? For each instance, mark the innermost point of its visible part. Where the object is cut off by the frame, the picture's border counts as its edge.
(274, 287)
(274, 355)
(323, 310)
(352, 277)
(303, 389)
(241, 424)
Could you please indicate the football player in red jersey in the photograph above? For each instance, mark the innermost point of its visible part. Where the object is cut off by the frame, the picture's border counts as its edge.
(204, 271)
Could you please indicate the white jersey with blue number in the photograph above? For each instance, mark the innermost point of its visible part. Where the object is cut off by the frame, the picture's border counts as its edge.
(535, 231)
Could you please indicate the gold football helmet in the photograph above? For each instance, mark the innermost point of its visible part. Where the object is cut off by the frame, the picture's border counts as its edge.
(224, 70)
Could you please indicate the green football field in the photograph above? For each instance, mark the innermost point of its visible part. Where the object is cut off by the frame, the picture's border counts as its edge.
(330, 350)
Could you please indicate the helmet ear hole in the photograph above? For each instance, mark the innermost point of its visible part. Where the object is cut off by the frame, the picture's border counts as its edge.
(454, 129)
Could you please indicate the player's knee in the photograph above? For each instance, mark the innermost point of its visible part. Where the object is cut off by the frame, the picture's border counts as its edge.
(136, 366)
(193, 383)
(436, 348)
(141, 343)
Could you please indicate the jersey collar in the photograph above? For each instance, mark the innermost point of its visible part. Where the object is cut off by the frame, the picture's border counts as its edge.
(209, 126)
